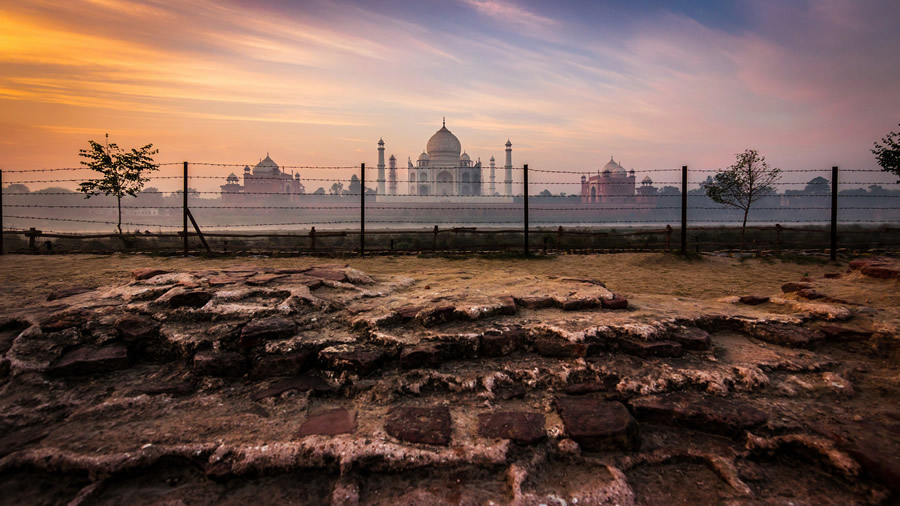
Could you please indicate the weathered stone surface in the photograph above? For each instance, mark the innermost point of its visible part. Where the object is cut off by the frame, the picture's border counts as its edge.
(301, 383)
(616, 302)
(839, 333)
(90, 360)
(599, 425)
(507, 391)
(329, 423)
(500, 342)
(436, 315)
(224, 280)
(326, 273)
(792, 286)
(407, 313)
(641, 348)
(588, 387)
(508, 306)
(167, 388)
(536, 302)
(753, 300)
(147, 273)
(787, 335)
(693, 339)
(194, 298)
(704, 413)
(421, 356)
(68, 292)
(876, 462)
(357, 359)
(9, 329)
(881, 271)
(578, 304)
(262, 279)
(519, 426)
(133, 328)
(65, 320)
(833, 275)
(420, 425)
(273, 327)
(288, 364)
(221, 364)
(811, 294)
(559, 348)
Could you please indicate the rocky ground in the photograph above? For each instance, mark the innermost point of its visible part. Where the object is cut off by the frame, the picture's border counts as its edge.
(216, 382)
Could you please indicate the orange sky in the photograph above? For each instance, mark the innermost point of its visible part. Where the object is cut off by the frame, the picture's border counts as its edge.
(809, 84)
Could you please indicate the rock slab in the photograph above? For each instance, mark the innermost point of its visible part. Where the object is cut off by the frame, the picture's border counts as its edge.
(91, 360)
(519, 426)
(426, 425)
(704, 413)
(599, 425)
(329, 423)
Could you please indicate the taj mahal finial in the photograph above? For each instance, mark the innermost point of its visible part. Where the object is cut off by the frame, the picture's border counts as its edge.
(444, 121)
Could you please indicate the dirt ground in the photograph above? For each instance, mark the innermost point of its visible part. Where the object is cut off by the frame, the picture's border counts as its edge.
(630, 379)
(28, 279)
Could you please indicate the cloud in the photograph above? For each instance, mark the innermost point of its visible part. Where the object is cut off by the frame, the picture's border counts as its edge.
(511, 13)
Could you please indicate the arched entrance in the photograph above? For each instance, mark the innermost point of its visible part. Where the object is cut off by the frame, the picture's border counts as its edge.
(593, 194)
(444, 184)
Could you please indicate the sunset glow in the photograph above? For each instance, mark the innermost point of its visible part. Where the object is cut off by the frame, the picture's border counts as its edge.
(809, 83)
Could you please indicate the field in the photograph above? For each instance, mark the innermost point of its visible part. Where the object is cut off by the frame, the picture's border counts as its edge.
(638, 378)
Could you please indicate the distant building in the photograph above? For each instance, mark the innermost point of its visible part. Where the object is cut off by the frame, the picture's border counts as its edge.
(615, 185)
(265, 179)
(443, 170)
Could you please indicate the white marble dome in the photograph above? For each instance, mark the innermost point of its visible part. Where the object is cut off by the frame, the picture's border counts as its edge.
(266, 166)
(444, 147)
(614, 168)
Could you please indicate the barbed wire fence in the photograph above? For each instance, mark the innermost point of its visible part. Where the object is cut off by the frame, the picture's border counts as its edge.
(586, 221)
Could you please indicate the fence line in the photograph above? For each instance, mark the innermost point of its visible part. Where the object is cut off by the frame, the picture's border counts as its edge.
(514, 203)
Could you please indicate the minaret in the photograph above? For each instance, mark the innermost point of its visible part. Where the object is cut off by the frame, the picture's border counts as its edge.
(493, 177)
(381, 166)
(392, 175)
(508, 181)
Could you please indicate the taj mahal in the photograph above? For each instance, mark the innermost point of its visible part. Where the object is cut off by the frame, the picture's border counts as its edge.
(443, 172)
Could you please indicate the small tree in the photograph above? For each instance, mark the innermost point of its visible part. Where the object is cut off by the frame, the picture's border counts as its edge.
(747, 180)
(122, 171)
(888, 153)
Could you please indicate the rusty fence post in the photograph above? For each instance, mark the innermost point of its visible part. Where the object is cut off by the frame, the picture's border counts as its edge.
(834, 211)
(434, 239)
(778, 229)
(668, 237)
(525, 217)
(184, 210)
(362, 210)
(684, 190)
(312, 238)
(1, 212)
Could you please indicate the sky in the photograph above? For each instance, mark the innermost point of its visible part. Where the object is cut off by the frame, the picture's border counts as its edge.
(656, 84)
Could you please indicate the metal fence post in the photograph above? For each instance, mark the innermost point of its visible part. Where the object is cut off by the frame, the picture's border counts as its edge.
(1, 211)
(185, 209)
(525, 176)
(362, 210)
(834, 211)
(684, 209)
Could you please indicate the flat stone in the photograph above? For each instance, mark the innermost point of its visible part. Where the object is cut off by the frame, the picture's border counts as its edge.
(359, 360)
(91, 360)
(273, 327)
(329, 423)
(616, 302)
(641, 348)
(135, 328)
(221, 364)
(195, 299)
(881, 271)
(407, 313)
(508, 306)
(704, 413)
(500, 342)
(576, 304)
(170, 388)
(536, 302)
(839, 333)
(307, 281)
(419, 425)
(833, 275)
(68, 292)
(519, 426)
(262, 279)
(598, 425)
(811, 294)
(301, 383)
(753, 300)
(147, 273)
(64, 320)
(559, 348)
(436, 315)
(693, 339)
(288, 364)
(422, 356)
(791, 287)
(507, 391)
(786, 335)
(588, 387)
(325, 273)
(224, 280)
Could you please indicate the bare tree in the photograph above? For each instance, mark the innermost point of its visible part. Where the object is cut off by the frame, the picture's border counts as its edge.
(747, 180)
(122, 171)
(888, 153)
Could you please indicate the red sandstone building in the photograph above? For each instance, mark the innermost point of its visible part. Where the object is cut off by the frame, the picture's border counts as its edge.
(615, 185)
(265, 180)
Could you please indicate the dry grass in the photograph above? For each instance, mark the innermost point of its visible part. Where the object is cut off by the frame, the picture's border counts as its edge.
(29, 279)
